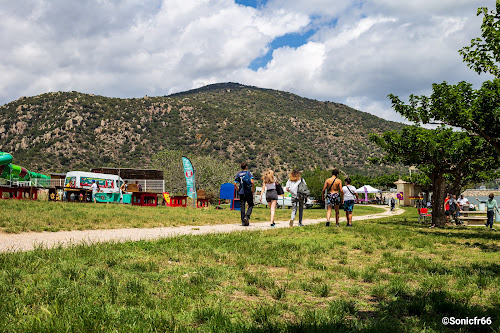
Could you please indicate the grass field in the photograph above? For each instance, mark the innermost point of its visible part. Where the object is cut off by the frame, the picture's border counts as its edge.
(22, 216)
(386, 275)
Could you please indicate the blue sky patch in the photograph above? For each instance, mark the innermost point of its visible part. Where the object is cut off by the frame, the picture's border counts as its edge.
(293, 40)
(251, 3)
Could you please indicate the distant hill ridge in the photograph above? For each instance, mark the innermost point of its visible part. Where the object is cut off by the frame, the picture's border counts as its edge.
(63, 131)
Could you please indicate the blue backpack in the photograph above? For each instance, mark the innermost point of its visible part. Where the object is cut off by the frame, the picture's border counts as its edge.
(246, 182)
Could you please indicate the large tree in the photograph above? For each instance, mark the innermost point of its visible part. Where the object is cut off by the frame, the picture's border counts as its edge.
(472, 173)
(436, 153)
(460, 105)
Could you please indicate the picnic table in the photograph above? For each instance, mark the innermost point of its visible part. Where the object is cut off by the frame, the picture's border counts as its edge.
(473, 217)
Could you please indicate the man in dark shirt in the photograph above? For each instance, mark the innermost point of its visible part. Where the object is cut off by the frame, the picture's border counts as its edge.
(245, 185)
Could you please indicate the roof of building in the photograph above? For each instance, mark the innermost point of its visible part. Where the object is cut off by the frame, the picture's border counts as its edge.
(127, 173)
(57, 175)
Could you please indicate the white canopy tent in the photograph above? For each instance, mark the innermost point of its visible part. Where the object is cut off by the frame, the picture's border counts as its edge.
(367, 189)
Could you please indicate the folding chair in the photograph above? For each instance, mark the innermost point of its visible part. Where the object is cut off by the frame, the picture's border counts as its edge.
(423, 213)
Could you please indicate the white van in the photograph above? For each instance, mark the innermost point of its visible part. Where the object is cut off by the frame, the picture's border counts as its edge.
(109, 185)
(283, 200)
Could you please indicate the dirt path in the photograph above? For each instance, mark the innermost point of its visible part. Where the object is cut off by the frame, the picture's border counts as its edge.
(28, 241)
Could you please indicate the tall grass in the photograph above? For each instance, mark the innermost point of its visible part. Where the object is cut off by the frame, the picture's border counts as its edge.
(310, 279)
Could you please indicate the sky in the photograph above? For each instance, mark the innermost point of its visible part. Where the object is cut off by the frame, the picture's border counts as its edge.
(354, 52)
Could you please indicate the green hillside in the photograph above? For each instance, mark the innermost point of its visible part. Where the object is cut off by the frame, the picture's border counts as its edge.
(70, 130)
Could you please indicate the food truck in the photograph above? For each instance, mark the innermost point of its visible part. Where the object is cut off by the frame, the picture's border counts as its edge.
(77, 186)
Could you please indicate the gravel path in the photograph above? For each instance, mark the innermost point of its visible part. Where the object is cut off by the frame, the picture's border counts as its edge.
(28, 241)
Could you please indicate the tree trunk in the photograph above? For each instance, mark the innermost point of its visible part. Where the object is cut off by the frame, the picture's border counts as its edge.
(438, 196)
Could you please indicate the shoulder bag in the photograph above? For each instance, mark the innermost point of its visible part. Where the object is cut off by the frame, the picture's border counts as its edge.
(279, 189)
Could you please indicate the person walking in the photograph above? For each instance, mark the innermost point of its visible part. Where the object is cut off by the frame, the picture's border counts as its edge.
(94, 189)
(450, 206)
(350, 195)
(269, 184)
(292, 186)
(124, 186)
(245, 186)
(491, 206)
(333, 185)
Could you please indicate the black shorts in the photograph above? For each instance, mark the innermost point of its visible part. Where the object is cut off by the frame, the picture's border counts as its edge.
(271, 195)
(449, 213)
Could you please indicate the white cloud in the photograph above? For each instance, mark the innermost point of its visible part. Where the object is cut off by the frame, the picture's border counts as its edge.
(366, 57)
(361, 50)
(303, 68)
(377, 108)
(315, 7)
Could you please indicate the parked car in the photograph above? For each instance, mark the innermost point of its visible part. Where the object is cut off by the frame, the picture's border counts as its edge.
(283, 200)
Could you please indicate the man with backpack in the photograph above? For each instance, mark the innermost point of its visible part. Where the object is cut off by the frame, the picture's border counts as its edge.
(244, 183)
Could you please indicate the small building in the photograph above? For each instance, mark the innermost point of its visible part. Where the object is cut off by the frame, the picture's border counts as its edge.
(409, 191)
(57, 180)
(151, 180)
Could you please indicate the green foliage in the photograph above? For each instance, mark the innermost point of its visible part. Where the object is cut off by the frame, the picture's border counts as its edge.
(437, 153)
(476, 111)
(483, 55)
(316, 180)
(418, 178)
(210, 172)
(383, 182)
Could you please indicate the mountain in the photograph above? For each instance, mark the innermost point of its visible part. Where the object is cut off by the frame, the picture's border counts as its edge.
(63, 131)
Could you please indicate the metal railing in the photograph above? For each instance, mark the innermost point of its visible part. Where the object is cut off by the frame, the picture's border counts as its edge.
(35, 182)
(148, 185)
